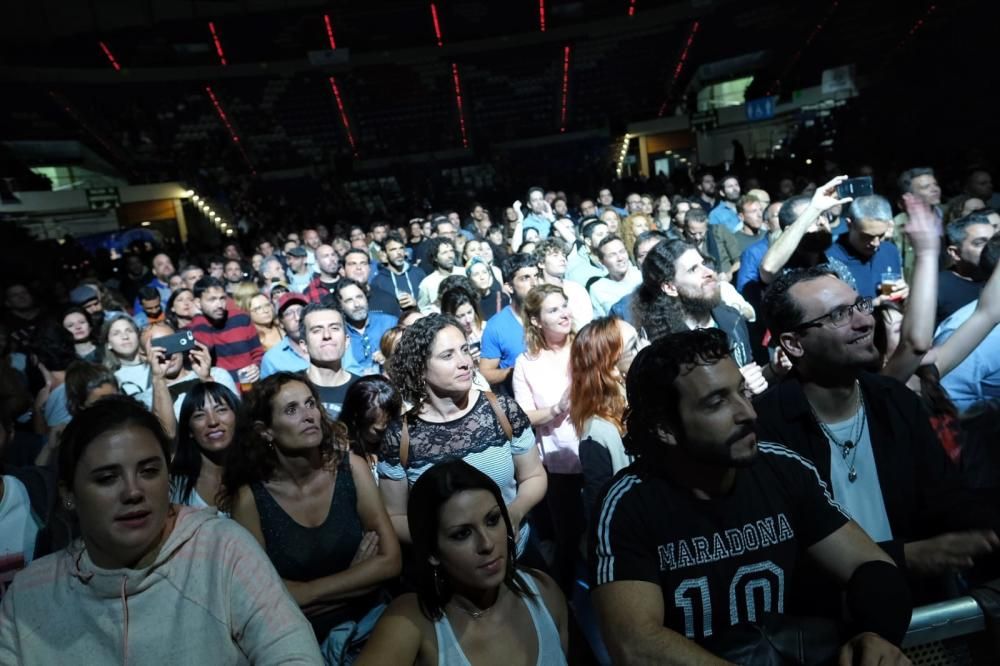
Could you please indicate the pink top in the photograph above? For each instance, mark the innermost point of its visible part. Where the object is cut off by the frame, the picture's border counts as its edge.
(539, 383)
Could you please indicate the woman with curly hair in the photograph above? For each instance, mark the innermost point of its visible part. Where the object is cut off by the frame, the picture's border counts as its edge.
(602, 354)
(291, 481)
(448, 419)
(631, 227)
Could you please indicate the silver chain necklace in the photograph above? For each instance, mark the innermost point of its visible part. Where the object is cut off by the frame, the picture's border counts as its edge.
(849, 447)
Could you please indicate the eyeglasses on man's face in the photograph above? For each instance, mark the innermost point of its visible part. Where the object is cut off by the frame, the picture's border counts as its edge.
(840, 316)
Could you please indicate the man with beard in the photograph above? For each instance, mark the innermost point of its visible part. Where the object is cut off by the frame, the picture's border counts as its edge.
(869, 435)
(323, 282)
(441, 257)
(725, 213)
(310, 241)
(503, 337)
(705, 185)
(364, 329)
(961, 284)
(708, 518)
(232, 273)
(399, 277)
(179, 380)
(621, 279)
(325, 337)
(680, 292)
(227, 331)
(358, 268)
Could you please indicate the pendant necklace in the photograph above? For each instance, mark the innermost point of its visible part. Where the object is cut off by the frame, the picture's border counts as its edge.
(849, 447)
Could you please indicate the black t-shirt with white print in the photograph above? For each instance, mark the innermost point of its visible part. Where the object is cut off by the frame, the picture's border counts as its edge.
(722, 561)
(332, 397)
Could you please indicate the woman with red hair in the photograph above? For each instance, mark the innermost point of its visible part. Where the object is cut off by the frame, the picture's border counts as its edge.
(602, 354)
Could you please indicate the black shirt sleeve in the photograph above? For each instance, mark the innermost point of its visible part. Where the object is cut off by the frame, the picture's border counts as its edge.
(597, 471)
(621, 537)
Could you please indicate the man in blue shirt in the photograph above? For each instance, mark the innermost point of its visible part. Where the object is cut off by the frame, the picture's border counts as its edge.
(287, 355)
(503, 339)
(364, 329)
(540, 215)
(864, 252)
(725, 213)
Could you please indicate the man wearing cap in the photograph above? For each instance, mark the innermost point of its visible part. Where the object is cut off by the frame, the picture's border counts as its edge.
(88, 297)
(288, 355)
(298, 272)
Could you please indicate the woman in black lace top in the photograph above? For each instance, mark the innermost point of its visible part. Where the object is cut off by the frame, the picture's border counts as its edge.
(449, 419)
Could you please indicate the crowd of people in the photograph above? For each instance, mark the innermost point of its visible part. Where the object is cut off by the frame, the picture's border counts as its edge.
(401, 444)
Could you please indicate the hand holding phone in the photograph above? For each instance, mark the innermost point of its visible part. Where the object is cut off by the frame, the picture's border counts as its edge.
(178, 342)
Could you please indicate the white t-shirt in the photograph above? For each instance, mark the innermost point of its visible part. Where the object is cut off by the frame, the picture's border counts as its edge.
(18, 529)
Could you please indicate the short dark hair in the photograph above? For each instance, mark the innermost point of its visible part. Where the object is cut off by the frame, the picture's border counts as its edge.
(515, 262)
(325, 304)
(339, 286)
(645, 237)
(955, 231)
(607, 240)
(589, 225)
(906, 178)
(651, 388)
(394, 237)
(82, 377)
(206, 283)
(781, 312)
(532, 190)
(789, 211)
(356, 250)
(148, 293)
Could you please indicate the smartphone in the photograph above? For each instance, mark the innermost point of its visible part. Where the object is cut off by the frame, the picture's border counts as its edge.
(178, 342)
(855, 187)
(474, 347)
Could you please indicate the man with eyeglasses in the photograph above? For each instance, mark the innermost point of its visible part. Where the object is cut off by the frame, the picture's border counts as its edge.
(364, 329)
(869, 435)
(289, 354)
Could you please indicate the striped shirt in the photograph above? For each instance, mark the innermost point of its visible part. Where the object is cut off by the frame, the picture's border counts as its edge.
(235, 344)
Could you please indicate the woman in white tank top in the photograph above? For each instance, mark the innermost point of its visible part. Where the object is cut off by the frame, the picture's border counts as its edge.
(473, 607)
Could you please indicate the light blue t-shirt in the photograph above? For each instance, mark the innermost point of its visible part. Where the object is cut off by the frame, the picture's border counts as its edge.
(977, 378)
(282, 357)
(503, 338)
(726, 216)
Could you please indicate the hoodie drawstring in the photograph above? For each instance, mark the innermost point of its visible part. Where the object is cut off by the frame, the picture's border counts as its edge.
(124, 598)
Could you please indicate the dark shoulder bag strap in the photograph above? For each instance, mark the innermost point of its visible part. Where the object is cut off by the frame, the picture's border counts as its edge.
(501, 417)
(404, 444)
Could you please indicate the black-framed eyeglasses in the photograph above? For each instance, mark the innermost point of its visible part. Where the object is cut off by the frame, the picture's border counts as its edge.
(840, 316)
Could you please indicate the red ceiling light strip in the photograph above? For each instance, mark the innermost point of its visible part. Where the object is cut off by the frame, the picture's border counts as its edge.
(343, 115)
(110, 56)
(631, 8)
(458, 103)
(911, 33)
(776, 84)
(218, 44)
(229, 127)
(681, 61)
(565, 89)
(437, 24)
(541, 15)
(329, 32)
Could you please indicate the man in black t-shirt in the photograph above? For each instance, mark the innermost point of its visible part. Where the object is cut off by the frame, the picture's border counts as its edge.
(961, 284)
(325, 335)
(704, 530)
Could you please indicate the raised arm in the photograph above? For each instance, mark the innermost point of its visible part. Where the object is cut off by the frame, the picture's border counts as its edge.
(630, 613)
(783, 248)
(967, 337)
(917, 334)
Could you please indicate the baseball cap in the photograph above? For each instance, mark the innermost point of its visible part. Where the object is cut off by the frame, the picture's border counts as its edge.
(297, 251)
(289, 299)
(83, 294)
